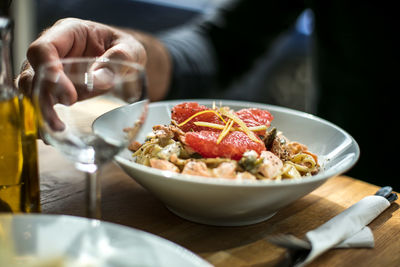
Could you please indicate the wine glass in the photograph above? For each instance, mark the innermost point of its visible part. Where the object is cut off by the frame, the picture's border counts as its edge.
(69, 94)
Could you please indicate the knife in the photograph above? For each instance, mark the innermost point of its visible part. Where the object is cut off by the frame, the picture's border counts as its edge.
(387, 192)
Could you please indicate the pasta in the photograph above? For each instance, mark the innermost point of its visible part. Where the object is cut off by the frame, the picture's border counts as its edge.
(220, 142)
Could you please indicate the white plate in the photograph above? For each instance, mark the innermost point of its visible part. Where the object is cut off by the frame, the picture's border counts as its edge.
(76, 241)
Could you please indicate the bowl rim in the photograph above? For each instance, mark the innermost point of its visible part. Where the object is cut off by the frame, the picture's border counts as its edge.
(323, 175)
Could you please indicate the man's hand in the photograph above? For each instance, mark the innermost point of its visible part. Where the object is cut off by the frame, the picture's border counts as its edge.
(81, 38)
(78, 38)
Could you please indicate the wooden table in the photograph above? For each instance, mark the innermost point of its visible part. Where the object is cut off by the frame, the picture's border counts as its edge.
(127, 203)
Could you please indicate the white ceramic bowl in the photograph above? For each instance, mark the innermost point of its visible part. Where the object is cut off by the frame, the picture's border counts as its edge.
(227, 202)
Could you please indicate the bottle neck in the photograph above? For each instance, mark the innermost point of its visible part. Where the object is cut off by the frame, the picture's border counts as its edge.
(6, 70)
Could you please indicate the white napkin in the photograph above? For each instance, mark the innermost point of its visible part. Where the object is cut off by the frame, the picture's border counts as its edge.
(348, 229)
(362, 239)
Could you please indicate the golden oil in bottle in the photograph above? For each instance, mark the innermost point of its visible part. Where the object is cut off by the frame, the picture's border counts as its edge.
(19, 177)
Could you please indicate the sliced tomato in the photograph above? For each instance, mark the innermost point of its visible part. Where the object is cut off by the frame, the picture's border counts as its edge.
(182, 112)
(232, 146)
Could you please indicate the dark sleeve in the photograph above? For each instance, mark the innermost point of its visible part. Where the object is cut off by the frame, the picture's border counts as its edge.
(213, 51)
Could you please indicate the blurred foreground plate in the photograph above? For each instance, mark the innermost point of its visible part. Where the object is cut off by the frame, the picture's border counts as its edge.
(61, 240)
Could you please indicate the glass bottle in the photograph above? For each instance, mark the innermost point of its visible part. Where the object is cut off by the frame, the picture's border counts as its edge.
(19, 175)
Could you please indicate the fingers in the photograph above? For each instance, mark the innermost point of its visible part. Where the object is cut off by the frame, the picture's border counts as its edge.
(124, 49)
(52, 88)
(67, 38)
(25, 78)
(48, 96)
(126, 79)
(51, 75)
(49, 115)
(103, 78)
(47, 99)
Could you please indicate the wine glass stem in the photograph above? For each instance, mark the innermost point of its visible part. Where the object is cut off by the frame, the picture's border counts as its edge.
(93, 195)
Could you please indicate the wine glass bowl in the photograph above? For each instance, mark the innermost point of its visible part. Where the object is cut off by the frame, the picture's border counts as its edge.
(69, 94)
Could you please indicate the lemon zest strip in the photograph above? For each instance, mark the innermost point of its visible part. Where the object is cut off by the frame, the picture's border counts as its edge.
(199, 113)
(221, 127)
(225, 131)
(242, 125)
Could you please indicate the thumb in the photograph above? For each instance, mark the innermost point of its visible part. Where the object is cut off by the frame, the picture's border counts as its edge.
(103, 78)
(127, 49)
